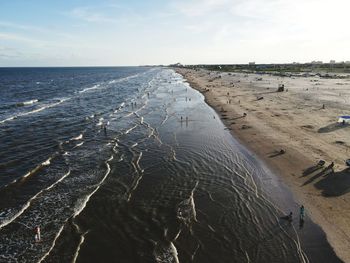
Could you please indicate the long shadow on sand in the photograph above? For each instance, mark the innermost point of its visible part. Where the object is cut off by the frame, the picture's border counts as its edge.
(311, 170)
(326, 171)
(332, 127)
(276, 153)
(335, 184)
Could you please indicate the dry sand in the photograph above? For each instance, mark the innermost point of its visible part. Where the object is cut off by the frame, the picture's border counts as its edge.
(294, 121)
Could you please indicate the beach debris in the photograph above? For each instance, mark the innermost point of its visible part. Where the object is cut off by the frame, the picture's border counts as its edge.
(282, 151)
(244, 114)
(245, 127)
(347, 162)
(280, 88)
(259, 98)
(321, 163)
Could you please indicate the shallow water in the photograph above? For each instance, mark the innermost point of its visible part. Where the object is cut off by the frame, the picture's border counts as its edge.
(165, 182)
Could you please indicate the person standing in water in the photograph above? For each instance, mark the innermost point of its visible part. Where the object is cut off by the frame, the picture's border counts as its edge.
(37, 234)
(302, 212)
(301, 217)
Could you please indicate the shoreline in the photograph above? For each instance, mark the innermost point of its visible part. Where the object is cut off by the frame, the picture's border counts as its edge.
(268, 127)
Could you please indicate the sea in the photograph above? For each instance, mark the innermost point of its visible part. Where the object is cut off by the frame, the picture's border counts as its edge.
(129, 164)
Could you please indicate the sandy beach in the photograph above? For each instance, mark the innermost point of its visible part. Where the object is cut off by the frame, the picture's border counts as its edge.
(301, 121)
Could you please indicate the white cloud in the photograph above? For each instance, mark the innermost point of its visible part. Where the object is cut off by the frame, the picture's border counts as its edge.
(190, 31)
(200, 7)
(87, 14)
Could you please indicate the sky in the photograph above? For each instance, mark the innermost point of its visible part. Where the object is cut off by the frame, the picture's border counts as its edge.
(134, 32)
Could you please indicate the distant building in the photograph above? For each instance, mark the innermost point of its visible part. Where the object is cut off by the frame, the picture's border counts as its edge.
(251, 63)
(317, 62)
(176, 65)
(332, 62)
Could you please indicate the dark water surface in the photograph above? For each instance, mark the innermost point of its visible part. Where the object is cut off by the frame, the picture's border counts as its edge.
(149, 188)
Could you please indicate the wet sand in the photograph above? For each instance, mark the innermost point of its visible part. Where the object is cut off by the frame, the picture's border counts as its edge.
(295, 121)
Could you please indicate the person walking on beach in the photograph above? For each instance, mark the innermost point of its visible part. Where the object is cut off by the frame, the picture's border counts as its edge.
(330, 167)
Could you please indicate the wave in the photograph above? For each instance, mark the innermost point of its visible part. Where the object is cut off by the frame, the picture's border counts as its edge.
(134, 145)
(45, 163)
(122, 105)
(79, 137)
(7, 221)
(78, 145)
(101, 86)
(97, 86)
(25, 103)
(52, 245)
(18, 104)
(100, 122)
(33, 171)
(132, 128)
(186, 210)
(34, 111)
(76, 254)
(166, 253)
(84, 202)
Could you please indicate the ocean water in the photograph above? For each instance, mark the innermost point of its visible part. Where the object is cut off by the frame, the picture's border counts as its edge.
(130, 165)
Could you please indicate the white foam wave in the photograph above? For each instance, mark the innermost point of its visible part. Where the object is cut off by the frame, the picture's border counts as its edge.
(79, 137)
(186, 210)
(79, 144)
(131, 129)
(129, 114)
(76, 254)
(138, 162)
(25, 103)
(27, 205)
(167, 254)
(45, 163)
(97, 86)
(84, 202)
(100, 122)
(34, 111)
(52, 245)
(139, 171)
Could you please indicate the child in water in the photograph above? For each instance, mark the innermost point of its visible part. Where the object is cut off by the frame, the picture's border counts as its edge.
(37, 236)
